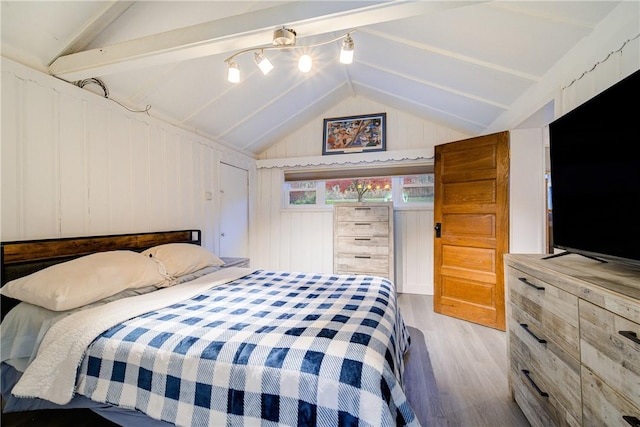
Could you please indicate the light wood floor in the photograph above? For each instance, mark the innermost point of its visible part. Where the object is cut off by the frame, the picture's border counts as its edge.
(469, 366)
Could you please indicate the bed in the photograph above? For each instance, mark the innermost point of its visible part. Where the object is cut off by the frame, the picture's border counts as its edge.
(153, 329)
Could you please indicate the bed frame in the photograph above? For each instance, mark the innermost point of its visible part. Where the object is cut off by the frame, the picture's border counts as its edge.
(21, 258)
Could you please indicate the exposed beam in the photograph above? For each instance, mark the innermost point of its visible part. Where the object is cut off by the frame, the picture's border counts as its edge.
(238, 32)
(85, 35)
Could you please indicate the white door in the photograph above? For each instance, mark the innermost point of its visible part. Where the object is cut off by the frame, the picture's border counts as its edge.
(234, 211)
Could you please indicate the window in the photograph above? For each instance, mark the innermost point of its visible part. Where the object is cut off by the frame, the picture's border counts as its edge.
(347, 190)
(417, 188)
(302, 193)
(408, 190)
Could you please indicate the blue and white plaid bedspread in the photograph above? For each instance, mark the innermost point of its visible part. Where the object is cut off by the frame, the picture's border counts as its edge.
(271, 348)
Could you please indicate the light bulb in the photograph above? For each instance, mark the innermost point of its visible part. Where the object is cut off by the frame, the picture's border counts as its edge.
(263, 63)
(346, 53)
(233, 74)
(305, 63)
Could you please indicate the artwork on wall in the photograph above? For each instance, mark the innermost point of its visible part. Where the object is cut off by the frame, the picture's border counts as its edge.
(354, 134)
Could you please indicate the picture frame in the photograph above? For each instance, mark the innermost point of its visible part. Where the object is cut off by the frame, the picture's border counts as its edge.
(354, 134)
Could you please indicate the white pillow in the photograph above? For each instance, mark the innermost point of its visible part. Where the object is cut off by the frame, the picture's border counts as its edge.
(183, 258)
(85, 280)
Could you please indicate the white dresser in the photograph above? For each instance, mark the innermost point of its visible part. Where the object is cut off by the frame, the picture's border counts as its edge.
(363, 239)
(574, 340)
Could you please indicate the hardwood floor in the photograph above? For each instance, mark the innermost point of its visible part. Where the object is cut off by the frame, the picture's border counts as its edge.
(469, 367)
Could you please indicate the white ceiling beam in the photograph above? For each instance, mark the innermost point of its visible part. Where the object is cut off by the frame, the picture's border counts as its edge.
(88, 32)
(238, 32)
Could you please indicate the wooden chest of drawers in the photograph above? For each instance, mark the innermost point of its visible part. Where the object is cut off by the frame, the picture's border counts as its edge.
(573, 327)
(363, 239)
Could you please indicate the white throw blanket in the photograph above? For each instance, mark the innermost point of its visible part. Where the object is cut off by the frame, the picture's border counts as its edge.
(52, 374)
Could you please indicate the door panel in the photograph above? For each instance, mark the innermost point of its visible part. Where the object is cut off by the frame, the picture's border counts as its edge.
(481, 225)
(478, 293)
(471, 206)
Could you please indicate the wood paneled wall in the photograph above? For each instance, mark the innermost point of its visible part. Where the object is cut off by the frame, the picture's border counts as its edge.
(75, 164)
(404, 131)
(302, 240)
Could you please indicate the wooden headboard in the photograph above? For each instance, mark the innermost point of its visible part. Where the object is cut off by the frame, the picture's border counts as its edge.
(21, 258)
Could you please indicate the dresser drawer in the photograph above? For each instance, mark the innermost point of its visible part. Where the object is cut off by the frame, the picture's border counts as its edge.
(545, 379)
(363, 228)
(602, 406)
(376, 265)
(364, 245)
(547, 310)
(609, 349)
(362, 213)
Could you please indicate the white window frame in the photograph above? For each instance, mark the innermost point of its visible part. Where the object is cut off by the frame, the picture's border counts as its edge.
(398, 201)
(320, 197)
(396, 193)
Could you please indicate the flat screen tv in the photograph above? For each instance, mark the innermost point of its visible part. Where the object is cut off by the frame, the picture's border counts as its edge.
(595, 175)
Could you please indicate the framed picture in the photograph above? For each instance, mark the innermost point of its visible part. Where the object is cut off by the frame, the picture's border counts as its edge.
(355, 134)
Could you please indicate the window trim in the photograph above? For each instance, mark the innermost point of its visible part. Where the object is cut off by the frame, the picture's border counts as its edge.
(396, 195)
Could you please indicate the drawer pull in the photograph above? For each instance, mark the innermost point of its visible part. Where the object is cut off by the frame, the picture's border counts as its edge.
(363, 209)
(362, 238)
(631, 335)
(362, 223)
(633, 421)
(526, 282)
(526, 328)
(362, 257)
(534, 385)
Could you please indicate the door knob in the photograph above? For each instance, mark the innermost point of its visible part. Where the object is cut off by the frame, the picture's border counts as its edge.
(438, 228)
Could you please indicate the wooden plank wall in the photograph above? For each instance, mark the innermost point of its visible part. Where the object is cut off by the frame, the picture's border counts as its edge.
(303, 239)
(77, 164)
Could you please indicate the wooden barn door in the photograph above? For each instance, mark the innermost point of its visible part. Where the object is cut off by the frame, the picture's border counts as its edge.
(471, 213)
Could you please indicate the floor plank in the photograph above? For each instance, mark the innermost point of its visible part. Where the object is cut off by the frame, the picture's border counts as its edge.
(469, 367)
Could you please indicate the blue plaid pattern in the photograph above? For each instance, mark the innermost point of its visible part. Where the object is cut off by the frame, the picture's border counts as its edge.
(271, 348)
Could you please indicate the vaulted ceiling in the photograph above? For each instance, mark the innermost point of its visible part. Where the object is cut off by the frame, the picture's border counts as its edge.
(462, 64)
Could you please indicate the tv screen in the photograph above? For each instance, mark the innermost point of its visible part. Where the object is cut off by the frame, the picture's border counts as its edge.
(595, 175)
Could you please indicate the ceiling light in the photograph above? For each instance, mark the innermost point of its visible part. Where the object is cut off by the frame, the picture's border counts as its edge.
(346, 53)
(233, 74)
(262, 62)
(304, 63)
(285, 39)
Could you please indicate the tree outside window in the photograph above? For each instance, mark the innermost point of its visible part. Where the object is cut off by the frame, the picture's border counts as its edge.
(346, 190)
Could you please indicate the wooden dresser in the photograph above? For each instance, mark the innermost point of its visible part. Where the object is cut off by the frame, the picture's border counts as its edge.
(363, 239)
(574, 340)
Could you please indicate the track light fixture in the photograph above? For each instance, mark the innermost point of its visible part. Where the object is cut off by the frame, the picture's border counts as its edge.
(285, 38)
